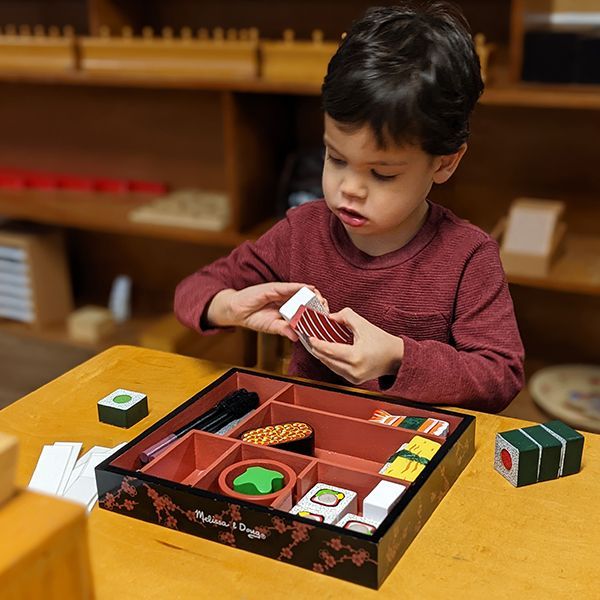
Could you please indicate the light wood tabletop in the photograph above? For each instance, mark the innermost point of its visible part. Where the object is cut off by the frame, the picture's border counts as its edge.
(486, 539)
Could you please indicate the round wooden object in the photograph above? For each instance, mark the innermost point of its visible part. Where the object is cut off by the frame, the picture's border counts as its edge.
(228, 474)
(570, 393)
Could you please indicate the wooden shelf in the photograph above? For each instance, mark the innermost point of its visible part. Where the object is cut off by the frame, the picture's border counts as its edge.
(107, 213)
(543, 96)
(256, 85)
(576, 270)
(127, 333)
(501, 94)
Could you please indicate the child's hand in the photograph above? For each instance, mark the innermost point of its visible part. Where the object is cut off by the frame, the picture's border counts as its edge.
(256, 307)
(373, 354)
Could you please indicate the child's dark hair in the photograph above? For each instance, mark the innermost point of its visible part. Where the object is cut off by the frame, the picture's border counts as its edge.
(409, 72)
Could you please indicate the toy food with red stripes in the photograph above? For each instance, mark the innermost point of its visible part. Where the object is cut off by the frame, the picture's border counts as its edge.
(424, 424)
(311, 323)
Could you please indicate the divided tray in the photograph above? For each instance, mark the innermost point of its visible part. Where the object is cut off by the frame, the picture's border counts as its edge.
(180, 487)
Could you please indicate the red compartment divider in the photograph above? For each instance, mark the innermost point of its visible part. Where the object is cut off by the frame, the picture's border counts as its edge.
(337, 436)
(341, 403)
(188, 458)
(265, 388)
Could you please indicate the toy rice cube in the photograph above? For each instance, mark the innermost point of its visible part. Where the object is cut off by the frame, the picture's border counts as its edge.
(357, 523)
(302, 511)
(538, 453)
(123, 408)
(381, 499)
(331, 501)
(410, 459)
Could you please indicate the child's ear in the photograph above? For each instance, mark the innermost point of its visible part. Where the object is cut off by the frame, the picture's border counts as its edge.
(446, 165)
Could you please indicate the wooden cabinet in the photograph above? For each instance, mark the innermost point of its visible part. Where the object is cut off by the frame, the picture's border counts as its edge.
(233, 137)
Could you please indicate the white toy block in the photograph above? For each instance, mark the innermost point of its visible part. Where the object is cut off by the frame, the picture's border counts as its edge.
(381, 500)
(358, 524)
(303, 297)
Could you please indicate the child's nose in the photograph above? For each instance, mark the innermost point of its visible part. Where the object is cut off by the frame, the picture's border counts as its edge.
(353, 186)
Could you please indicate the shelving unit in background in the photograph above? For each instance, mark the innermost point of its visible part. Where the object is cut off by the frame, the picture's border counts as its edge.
(233, 136)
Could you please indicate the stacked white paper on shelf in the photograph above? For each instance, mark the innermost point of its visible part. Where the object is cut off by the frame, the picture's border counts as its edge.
(60, 473)
(15, 285)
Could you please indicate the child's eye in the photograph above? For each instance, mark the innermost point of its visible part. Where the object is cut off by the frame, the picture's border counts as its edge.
(381, 177)
(336, 161)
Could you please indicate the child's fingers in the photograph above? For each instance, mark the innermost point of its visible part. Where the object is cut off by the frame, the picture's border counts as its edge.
(281, 290)
(281, 327)
(337, 366)
(330, 350)
(349, 318)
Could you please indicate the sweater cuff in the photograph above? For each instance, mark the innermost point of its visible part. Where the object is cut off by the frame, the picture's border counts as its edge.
(406, 381)
(194, 317)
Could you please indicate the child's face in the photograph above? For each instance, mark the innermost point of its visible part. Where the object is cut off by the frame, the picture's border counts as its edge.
(378, 195)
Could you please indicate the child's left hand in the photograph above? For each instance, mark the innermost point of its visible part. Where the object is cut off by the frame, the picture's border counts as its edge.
(373, 354)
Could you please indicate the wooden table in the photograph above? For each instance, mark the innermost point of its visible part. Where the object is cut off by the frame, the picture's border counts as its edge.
(485, 540)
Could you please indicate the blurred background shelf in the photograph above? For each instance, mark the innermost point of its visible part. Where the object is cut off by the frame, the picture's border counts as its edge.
(504, 94)
(108, 213)
(236, 137)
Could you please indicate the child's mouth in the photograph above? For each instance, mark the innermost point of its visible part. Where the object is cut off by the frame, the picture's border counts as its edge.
(351, 218)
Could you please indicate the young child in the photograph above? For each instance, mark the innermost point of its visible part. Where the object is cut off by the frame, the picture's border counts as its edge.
(423, 291)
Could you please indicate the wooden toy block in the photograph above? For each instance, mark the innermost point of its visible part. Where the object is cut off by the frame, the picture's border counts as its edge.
(123, 408)
(91, 324)
(186, 56)
(358, 524)
(195, 209)
(531, 236)
(24, 51)
(303, 297)
(34, 275)
(381, 499)
(290, 60)
(44, 551)
(258, 480)
(330, 501)
(8, 465)
(538, 453)
(424, 424)
(410, 459)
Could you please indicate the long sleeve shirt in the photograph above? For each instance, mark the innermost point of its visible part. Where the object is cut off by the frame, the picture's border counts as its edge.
(444, 293)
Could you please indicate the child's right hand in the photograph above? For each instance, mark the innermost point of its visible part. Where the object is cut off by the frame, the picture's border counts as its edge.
(256, 307)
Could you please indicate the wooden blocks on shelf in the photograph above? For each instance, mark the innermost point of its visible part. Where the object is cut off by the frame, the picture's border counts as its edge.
(538, 453)
(290, 60)
(34, 279)
(194, 209)
(531, 236)
(40, 50)
(91, 324)
(8, 465)
(225, 55)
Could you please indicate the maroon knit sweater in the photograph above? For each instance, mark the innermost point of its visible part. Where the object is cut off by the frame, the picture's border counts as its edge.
(444, 293)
